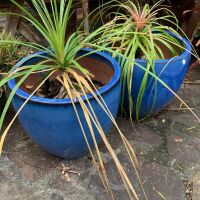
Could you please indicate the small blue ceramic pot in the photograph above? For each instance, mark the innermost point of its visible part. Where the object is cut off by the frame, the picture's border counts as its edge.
(52, 123)
(157, 96)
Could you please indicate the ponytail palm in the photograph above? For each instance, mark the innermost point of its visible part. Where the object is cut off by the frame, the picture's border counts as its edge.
(138, 32)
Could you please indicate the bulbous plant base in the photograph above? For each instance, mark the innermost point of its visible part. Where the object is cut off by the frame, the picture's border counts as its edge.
(52, 123)
(156, 95)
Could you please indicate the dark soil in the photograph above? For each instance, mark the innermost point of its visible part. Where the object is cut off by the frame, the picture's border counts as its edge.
(54, 89)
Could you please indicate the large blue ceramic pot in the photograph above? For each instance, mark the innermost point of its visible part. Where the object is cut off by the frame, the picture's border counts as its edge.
(52, 123)
(156, 95)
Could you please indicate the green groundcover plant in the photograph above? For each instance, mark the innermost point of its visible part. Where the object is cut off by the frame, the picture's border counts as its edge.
(11, 53)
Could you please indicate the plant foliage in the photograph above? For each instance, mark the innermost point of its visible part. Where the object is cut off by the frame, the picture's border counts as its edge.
(11, 53)
(138, 32)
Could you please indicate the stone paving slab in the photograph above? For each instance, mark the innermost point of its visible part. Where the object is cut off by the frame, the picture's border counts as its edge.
(196, 186)
(167, 147)
(162, 182)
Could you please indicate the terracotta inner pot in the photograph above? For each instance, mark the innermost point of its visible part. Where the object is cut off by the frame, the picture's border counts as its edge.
(166, 52)
(101, 71)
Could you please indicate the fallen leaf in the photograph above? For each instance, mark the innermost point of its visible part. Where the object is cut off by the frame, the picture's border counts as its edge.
(178, 139)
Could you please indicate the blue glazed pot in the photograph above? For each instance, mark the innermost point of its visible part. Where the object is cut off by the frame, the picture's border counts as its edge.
(170, 71)
(52, 123)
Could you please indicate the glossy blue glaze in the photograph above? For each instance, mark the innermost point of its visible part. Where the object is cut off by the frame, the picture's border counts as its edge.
(170, 71)
(52, 123)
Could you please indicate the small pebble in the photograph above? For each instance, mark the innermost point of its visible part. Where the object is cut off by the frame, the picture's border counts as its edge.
(163, 120)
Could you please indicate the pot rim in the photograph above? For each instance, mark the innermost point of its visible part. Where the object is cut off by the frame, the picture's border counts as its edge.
(187, 51)
(115, 78)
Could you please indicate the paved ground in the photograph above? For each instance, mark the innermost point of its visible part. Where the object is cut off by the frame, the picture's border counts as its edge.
(167, 146)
